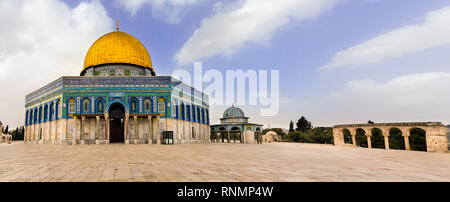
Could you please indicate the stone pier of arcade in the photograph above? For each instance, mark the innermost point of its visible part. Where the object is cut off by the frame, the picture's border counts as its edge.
(435, 134)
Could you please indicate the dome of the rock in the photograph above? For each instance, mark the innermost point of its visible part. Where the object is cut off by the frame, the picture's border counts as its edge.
(117, 48)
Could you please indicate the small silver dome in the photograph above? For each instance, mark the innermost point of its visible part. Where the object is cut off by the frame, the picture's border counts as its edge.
(233, 112)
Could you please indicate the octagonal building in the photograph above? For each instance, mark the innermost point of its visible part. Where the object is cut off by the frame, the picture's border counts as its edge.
(116, 99)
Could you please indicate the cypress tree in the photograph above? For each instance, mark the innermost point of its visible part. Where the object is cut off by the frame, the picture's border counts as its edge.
(291, 127)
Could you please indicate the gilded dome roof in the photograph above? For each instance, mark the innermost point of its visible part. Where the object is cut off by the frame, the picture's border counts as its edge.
(233, 112)
(117, 47)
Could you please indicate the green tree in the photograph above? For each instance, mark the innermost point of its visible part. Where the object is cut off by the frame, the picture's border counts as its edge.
(295, 136)
(6, 130)
(321, 135)
(303, 125)
(291, 127)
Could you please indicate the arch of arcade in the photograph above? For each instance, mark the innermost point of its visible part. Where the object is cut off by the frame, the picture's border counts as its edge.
(436, 138)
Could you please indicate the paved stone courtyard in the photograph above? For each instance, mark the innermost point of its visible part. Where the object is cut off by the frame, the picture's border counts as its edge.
(217, 162)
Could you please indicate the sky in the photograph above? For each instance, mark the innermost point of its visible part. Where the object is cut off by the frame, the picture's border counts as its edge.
(339, 61)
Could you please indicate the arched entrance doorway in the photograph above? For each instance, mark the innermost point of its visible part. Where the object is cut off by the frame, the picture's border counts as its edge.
(116, 114)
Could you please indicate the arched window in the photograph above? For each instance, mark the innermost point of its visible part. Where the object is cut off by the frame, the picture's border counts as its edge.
(100, 105)
(161, 105)
(200, 120)
(40, 115)
(52, 111)
(35, 113)
(72, 106)
(207, 116)
(134, 105)
(86, 105)
(198, 115)
(57, 109)
(45, 113)
(26, 118)
(178, 111)
(182, 111)
(203, 116)
(188, 112)
(193, 113)
(30, 120)
(147, 105)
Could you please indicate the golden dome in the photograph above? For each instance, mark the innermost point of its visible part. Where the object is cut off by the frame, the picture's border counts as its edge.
(117, 47)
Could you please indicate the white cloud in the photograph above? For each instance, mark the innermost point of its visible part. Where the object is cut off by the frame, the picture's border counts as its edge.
(247, 21)
(171, 11)
(433, 32)
(40, 41)
(415, 97)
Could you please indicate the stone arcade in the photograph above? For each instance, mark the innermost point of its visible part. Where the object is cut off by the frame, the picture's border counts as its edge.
(435, 134)
(116, 98)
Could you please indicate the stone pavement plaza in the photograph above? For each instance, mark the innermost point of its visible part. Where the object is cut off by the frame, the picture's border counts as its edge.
(217, 162)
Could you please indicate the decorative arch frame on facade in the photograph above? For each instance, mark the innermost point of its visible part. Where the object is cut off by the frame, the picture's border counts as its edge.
(133, 105)
(147, 105)
(120, 101)
(86, 105)
(162, 105)
(100, 105)
(71, 105)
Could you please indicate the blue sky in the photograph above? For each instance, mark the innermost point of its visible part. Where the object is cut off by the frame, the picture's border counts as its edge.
(406, 82)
